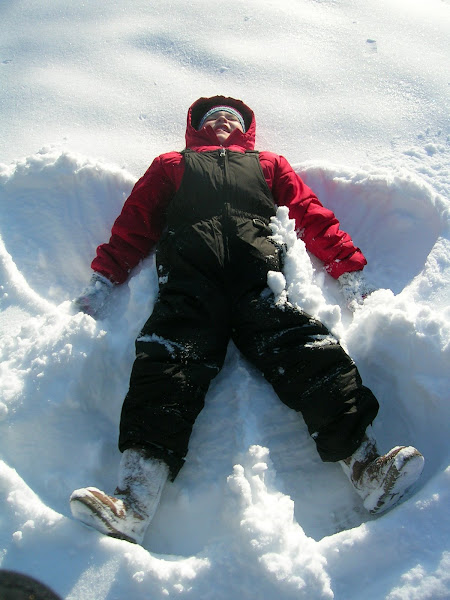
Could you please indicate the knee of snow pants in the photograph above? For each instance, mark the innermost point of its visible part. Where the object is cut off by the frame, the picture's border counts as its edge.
(161, 407)
(309, 370)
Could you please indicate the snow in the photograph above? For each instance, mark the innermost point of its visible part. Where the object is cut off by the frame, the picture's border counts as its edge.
(355, 95)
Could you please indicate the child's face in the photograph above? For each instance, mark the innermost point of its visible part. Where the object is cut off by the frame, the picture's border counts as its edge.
(223, 124)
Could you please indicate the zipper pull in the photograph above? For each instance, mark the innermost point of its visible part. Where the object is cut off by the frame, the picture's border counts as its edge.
(223, 152)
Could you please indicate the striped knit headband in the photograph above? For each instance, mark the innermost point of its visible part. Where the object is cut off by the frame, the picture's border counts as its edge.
(228, 109)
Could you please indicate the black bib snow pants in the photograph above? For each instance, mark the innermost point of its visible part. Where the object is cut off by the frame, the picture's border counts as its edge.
(212, 263)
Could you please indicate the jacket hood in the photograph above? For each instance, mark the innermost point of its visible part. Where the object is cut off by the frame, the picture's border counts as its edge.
(206, 137)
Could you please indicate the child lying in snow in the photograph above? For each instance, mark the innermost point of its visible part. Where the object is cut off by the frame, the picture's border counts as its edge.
(208, 210)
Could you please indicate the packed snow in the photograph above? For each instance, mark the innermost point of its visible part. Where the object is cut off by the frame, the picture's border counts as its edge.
(356, 96)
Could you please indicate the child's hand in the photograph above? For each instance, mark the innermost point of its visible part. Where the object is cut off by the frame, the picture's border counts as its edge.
(94, 295)
(354, 288)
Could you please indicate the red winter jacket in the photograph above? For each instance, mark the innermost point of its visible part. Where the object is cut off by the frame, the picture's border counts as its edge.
(141, 222)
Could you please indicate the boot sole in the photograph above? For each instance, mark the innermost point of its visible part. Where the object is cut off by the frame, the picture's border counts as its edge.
(87, 509)
(402, 477)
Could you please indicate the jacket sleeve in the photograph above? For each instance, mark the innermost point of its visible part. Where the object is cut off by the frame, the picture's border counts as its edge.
(139, 225)
(317, 226)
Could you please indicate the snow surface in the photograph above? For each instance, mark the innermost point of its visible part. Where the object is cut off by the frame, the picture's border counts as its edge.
(356, 96)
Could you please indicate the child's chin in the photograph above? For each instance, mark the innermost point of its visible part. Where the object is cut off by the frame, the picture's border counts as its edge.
(222, 138)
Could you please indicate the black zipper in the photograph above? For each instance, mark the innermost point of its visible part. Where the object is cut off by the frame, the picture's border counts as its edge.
(223, 162)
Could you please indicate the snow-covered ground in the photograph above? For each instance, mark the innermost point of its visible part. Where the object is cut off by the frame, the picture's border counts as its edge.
(356, 96)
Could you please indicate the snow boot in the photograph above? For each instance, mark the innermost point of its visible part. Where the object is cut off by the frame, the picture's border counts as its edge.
(381, 481)
(127, 514)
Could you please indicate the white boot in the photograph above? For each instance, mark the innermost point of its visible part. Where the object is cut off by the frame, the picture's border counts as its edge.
(128, 513)
(381, 481)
